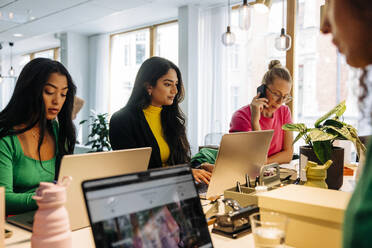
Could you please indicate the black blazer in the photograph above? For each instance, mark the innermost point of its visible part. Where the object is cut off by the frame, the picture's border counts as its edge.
(129, 129)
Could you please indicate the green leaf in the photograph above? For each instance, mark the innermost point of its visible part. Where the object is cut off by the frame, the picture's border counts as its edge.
(299, 136)
(334, 123)
(344, 132)
(322, 150)
(82, 122)
(300, 127)
(338, 111)
(359, 146)
(319, 135)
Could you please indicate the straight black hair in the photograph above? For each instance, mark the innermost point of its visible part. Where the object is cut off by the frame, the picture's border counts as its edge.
(172, 118)
(27, 107)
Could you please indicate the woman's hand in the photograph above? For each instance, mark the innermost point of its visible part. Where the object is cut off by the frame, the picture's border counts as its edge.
(257, 105)
(207, 166)
(201, 175)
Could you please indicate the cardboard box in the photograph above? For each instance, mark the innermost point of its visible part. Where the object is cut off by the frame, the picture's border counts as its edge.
(316, 215)
(2, 216)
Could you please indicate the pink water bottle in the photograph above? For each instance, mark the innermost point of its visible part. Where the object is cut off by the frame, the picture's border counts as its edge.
(51, 223)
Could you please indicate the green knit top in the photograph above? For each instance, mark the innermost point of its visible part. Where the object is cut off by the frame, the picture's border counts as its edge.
(20, 175)
(358, 216)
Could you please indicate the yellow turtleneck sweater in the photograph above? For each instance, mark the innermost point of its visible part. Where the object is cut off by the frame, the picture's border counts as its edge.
(153, 118)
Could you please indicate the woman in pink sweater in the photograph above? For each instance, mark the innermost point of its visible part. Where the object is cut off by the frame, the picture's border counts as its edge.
(267, 111)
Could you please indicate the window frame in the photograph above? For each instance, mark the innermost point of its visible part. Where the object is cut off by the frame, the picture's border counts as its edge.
(55, 53)
(153, 39)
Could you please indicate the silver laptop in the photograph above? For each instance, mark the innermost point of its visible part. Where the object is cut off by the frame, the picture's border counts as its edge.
(90, 166)
(239, 153)
(156, 208)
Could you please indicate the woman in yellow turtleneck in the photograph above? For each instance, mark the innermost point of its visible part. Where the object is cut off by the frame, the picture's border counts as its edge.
(153, 118)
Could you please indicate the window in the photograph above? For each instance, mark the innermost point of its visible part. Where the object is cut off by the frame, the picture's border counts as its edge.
(323, 79)
(126, 54)
(142, 52)
(234, 98)
(52, 53)
(130, 49)
(300, 90)
(124, 66)
(229, 76)
(167, 41)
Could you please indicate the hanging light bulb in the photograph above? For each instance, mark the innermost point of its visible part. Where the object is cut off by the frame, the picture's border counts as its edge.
(11, 71)
(228, 38)
(262, 6)
(244, 16)
(283, 42)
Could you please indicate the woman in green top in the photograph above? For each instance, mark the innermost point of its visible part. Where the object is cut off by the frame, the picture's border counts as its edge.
(350, 22)
(36, 130)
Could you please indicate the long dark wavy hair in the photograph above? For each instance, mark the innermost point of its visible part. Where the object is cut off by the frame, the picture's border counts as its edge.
(172, 118)
(27, 107)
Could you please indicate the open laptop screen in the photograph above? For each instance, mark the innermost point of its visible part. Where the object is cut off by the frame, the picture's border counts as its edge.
(158, 208)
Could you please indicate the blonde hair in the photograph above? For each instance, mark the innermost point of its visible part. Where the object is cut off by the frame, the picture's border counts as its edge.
(276, 70)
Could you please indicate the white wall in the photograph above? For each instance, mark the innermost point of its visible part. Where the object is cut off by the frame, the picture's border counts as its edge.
(99, 65)
(188, 23)
(75, 56)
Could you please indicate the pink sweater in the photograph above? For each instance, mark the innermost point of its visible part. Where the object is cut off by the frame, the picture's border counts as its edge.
(241, 122)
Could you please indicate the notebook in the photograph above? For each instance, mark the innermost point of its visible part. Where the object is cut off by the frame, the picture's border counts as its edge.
(89, 166)
(156, 208)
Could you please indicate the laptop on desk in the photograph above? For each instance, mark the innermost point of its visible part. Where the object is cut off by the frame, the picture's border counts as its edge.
(156, 208)
(89, 166)
(239, 153)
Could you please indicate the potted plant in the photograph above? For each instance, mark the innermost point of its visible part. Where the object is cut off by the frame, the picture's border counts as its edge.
(99, 133)
(319, 140)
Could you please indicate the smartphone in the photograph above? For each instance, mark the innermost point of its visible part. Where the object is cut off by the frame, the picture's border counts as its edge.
(262, 90)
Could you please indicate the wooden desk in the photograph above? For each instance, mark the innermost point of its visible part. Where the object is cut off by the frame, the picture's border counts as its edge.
(83, 238)
(22, 238)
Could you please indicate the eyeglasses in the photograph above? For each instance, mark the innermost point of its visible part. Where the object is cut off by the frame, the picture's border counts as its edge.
(279, 98)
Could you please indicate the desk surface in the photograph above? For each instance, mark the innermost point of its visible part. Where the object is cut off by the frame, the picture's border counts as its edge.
(83, 238)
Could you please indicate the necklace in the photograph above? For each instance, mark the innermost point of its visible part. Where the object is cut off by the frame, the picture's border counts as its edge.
(35, 134)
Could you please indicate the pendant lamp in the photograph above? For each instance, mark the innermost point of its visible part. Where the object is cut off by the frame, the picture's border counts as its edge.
(228, 38)
(11, 70)
(283, 42)
(262, 6)
(244, 15)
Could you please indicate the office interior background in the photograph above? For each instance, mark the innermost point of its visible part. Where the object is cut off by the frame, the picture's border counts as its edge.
(103, 44)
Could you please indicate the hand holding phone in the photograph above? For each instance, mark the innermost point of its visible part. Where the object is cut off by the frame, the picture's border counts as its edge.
(257, 105)
(260, 101)
(262, 90)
